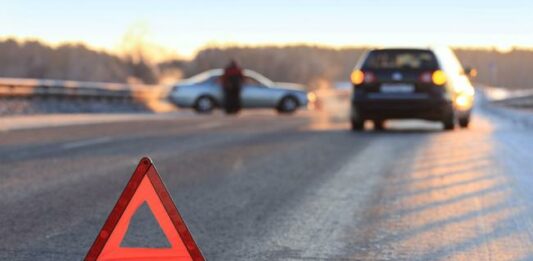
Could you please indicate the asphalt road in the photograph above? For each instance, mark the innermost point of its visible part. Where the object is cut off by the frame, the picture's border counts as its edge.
(261, 186)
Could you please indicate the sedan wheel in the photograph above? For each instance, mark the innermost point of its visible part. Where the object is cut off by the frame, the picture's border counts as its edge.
(288, 105)
(204, 104)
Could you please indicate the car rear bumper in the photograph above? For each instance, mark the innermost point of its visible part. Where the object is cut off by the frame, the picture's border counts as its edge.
(402, 107)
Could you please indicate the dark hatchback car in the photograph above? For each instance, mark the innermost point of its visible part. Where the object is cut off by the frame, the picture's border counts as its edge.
(408, 83)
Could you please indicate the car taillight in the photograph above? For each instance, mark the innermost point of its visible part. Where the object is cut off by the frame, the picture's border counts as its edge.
(437, 77)
(426, 77)
(359, 77)
(370, 77)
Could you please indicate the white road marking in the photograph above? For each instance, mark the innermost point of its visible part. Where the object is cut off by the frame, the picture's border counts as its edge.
(83, 143)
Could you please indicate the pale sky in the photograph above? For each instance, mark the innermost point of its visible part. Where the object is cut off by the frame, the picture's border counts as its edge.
(186, 26)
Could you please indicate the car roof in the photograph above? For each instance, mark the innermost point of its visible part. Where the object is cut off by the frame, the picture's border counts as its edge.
(402, 49)
(433, 48)
(219, 72)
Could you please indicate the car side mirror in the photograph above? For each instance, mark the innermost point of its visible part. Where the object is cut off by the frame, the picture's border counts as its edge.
(470, 72)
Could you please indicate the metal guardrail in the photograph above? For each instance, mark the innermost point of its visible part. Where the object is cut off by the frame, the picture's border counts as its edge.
(522, 98)
(518, 102)
(44, 88)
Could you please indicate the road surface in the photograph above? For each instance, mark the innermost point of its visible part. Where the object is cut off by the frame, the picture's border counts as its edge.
(261, 186)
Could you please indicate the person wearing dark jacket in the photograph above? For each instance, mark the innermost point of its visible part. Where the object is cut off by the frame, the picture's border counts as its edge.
(231, 84)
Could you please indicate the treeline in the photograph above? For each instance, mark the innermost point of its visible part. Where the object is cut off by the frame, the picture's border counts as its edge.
(307, 64)
(32, 59)
(311, 65)
(509, 69)
(302, 64)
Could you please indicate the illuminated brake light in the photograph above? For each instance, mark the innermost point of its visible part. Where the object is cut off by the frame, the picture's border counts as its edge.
(357, 77)
(438, 77)
(311, 97)
(473, 73)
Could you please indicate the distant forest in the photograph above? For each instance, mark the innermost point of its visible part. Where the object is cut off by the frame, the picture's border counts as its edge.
(32, 59)
(311, 65)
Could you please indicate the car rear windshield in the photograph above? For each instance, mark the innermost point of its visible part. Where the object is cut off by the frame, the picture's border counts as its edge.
(401, 59)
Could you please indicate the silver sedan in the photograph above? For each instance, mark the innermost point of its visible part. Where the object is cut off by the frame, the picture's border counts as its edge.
(203, 93)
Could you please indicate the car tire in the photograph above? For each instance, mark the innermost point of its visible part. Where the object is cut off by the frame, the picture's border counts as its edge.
(357, 124)
(204, 104)
(288, 105)
(449, 121)
(464, 122)
(379, 125)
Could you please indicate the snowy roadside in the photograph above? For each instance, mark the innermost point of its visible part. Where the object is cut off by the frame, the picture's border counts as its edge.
(489, 101)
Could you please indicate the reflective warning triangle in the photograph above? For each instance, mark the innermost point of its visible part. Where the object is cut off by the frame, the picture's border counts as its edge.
(144, 186)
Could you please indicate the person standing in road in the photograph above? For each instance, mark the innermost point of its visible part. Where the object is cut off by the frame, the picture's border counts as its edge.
(231, 84)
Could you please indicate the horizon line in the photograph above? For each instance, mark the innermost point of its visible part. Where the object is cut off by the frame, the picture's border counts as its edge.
(173, 54)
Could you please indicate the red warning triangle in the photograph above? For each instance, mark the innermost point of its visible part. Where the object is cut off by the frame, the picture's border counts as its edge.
(144, 186)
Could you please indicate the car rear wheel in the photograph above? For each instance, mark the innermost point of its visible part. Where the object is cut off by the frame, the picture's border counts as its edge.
(379, 125)
(449, 121)
(357, 124)
(204, 104)
(464, 121)
(287, 105)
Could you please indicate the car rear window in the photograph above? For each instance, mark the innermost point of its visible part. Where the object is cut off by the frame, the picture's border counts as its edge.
(401, 59)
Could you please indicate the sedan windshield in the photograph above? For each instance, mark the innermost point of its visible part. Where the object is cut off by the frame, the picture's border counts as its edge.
(205, 77)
